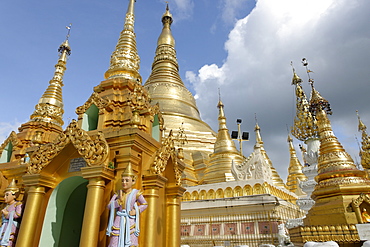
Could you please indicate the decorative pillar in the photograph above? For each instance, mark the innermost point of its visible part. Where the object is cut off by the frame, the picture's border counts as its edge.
(153, 230)
(173, 215)
(94, 200)
(32, 217)
(27, 232)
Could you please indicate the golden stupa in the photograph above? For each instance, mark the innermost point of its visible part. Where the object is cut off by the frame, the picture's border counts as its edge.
(342, 190)
(177, 106)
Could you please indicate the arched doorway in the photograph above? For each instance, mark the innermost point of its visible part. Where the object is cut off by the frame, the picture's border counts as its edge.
(64, 214)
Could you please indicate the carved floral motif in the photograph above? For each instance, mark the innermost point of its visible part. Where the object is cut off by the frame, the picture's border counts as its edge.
(94, 99)
(167, 151)
(93, 149)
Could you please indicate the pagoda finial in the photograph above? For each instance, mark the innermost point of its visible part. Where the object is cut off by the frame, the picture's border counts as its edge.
(304, 126)
(317, 102)
(166, 35)
(125, 60)
(50, 106)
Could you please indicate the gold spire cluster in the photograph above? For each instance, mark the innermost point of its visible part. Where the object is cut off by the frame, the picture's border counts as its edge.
(365, 145)
(304, 126)
(295, 169)
(50, 106)
(125, 60)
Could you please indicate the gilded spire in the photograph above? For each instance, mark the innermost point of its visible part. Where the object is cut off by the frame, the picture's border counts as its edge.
(50, 106)
(365, 144)
(335, 164)
(295, 169)
(223, 143)
(166, 37)
(225, 152)
(165, 63)
(304, 126)
(125, 60)
(176, 102)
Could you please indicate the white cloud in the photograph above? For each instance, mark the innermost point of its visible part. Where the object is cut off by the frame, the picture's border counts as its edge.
(333, 35)
(6, 128)
(183, 9)
(230, 9)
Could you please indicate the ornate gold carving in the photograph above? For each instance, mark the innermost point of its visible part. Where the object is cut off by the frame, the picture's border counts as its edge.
(93, 149)
(139, 99)
(304, 124)
(54, 113)
(163, 154)
(97, 101)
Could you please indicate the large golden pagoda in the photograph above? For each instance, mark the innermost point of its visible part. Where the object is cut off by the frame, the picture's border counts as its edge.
(177, 105)
(68, 177)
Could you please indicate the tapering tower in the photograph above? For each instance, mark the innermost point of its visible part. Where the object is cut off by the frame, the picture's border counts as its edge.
(365, 145)
(125, 60)
(305, 130)
(339, 182)
(120, 100)
(295, 170)
(225, 153)
(176, 103)
(46, 121)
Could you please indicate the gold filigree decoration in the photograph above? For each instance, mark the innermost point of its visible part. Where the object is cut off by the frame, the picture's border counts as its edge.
(97, 101)
(13, 138)
(359, 200)
(177, 169)
(304, 123)
(365, 145)
(163, 154)
(94, 149)
(154, 110)
(139, 99)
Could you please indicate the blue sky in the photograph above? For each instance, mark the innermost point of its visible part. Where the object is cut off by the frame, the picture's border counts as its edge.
(242, 47)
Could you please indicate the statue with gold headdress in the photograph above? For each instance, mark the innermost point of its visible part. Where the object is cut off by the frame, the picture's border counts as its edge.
(10, 216)
(125, 208)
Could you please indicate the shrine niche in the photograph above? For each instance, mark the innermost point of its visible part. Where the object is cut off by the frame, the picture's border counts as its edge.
(361, 205)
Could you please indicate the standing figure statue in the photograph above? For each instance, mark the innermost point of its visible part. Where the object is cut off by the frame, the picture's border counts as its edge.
(125, 208)
(10, 216)
(283, 235)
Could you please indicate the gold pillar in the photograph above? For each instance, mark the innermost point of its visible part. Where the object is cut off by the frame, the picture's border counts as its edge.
(27, 231)
(173, 215)
(153, 228)
(94, 201)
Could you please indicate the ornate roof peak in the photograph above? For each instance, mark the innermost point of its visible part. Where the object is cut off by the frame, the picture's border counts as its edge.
(125, 60)
(50, 106)
(304, 126)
